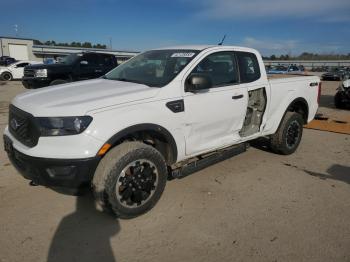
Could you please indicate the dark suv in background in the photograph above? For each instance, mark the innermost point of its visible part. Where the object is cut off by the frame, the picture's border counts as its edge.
(71, 68)
(6, 60)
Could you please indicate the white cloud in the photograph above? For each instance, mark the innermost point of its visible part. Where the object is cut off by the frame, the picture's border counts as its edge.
(232, 9)
(284, 46)
(269, 46)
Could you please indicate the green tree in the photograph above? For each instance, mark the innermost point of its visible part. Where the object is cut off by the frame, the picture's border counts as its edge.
(87, 45)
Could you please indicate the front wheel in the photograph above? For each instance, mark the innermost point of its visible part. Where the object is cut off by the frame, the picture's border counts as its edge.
(58, 82)
(288, 136)
(130, 179)
(6, 76)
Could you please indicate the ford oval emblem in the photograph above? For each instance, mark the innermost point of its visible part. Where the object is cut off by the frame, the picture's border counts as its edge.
(14, 124)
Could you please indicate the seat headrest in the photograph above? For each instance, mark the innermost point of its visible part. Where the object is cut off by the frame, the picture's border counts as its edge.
(221, 67)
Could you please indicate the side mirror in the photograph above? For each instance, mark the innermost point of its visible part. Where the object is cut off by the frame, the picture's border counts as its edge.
(198, 82)
(84, 62)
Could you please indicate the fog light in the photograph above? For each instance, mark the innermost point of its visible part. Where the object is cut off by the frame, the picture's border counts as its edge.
(61, 171)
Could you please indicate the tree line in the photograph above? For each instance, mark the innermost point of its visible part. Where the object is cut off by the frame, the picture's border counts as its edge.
(72, 44)
(309, 56)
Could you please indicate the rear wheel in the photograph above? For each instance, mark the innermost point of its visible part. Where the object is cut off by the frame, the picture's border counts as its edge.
(6, 76)
(288, 136)
(130, 179)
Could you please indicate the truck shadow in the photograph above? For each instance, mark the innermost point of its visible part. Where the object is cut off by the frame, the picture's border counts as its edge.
(84, 235)
(261, 143)
(335, 172)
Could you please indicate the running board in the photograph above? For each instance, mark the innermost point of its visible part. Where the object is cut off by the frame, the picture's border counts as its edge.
(212, 159)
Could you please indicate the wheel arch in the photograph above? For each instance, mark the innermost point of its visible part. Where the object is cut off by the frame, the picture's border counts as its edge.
(300, 106)
(152, 134)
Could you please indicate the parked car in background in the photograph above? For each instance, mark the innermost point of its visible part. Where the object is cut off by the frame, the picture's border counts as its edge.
(342, 97)
(335, 74)
(320, 69)
(283, 69)
(49, 61)
(6, 60)
(15, 70)
(71, 68)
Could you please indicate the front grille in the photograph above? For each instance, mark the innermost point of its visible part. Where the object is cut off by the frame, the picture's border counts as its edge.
(29, 72)
(23, 127)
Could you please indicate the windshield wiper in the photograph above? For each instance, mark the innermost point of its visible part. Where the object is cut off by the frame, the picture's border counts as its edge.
(128, 80)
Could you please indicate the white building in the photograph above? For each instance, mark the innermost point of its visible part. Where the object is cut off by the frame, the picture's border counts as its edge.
(25, 49)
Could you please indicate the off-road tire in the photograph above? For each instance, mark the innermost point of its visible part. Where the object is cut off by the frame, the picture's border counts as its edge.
(58, 82)
(109, 171)
(278, 142)
(338, 103)
(6, 76)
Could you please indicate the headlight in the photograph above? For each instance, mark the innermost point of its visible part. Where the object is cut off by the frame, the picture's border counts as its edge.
(63, 126)
(41, 73)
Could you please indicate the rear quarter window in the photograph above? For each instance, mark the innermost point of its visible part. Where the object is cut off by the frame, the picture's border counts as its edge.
(109, 61)
(249, 68)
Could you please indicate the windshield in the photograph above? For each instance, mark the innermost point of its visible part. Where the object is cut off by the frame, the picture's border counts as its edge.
(153, 68)
(68, 60)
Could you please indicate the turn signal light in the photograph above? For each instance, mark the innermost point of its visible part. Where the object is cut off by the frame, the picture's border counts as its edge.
(104, 149)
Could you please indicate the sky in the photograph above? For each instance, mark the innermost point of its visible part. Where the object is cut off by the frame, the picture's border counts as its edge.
(271, 26)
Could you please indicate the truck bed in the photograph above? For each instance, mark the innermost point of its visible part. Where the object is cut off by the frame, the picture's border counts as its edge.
(278, 76)
(289, 78)
(283, 87)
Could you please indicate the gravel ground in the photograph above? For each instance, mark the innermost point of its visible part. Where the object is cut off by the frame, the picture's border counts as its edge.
(257, 206)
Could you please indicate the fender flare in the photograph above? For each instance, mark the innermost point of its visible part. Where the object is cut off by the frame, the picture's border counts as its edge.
(147, 127)
(296, 100)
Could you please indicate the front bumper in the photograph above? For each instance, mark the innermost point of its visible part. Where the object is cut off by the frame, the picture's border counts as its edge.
(35, 82)
(63, 173)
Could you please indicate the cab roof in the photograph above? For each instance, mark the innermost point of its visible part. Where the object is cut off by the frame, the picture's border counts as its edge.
(202, 47)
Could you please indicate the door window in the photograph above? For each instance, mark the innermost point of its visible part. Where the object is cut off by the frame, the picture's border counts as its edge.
(107, 61)
(22, 64)
(248, 67)
(220, 67)
(91, 59)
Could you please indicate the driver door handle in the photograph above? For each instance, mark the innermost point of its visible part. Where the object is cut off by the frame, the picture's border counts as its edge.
(237, 96)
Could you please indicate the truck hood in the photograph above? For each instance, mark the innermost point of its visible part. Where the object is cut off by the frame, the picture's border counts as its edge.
(3, 69)
(48, 66)
(78, 98)
(57, 68)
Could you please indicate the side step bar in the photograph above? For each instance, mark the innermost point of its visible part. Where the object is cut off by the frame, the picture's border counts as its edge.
(204, 162)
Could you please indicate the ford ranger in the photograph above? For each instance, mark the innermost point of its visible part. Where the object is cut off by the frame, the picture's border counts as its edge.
(164, 113)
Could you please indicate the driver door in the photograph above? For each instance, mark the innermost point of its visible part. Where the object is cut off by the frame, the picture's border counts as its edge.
(213, 117)
(18, 70)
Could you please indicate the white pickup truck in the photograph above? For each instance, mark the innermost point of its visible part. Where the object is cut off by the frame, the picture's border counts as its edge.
(166, 112)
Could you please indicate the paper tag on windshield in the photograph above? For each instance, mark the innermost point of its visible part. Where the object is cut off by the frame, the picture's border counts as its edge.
(182, 54)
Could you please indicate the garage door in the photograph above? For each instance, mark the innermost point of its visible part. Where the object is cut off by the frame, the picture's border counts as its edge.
(19, 52)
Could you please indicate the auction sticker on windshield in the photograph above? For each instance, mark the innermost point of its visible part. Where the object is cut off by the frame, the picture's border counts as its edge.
(182, 54)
